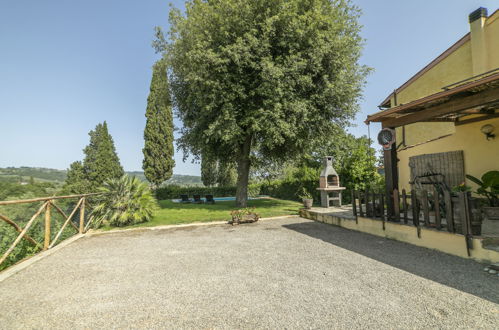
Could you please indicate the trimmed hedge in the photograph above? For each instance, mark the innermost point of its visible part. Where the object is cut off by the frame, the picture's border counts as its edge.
(174, 191)
(289, 190)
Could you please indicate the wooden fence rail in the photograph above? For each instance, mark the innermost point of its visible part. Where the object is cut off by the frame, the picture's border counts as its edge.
(440, 211)
(46, 208)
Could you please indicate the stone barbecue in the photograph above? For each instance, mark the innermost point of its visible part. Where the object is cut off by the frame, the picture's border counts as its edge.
(329, 184)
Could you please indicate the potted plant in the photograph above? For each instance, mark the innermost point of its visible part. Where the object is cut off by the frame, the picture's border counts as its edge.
(489, 187)
(307, 199)
(246, 215)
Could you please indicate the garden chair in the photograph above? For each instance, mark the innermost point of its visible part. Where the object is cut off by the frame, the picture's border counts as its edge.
(184, 199)
(197, 199)
(209, 199)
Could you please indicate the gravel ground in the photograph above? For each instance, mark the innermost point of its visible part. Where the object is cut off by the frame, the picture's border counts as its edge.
(285, 273)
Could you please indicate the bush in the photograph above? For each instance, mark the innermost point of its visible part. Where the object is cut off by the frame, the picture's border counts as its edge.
(290, 190)
(174, 191)
(126, 201)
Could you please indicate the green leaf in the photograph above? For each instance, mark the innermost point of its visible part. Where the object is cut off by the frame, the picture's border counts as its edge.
(474, 179)
(490, 179)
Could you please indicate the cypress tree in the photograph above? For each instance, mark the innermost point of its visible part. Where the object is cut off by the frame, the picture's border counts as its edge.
(158, 151)
(76, 183)
(227, 174)
(101, 161)
(209, 171)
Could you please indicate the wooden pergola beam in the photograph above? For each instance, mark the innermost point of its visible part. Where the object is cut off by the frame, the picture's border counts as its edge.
(380, 115)
(453, 106)
(476, 119)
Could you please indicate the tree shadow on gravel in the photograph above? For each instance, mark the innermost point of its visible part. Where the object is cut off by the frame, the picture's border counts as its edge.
(459, 273)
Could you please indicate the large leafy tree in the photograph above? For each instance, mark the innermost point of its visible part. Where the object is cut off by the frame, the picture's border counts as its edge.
(158, 150)
(266, 75)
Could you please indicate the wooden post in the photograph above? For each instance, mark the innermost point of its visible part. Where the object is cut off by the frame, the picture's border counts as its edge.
(396, 204)
(436, 200)
(415, 208)
(426, 211)
(382, 205)
(366, 199)
(375, 211)
(82, 215)
(449, 216)
(404, 204)
(391, 174)
(464, 207)
(46, 242)
(359, 195)
(354, 205)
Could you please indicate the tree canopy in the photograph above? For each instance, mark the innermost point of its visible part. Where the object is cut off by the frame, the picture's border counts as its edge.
(158, 149)
(100, 164)
(209, 170)
(266, 75)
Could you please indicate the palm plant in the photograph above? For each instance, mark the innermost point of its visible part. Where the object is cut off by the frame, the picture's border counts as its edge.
(125, 201)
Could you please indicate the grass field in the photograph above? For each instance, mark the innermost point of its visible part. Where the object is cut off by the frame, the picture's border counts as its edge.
(176, 213)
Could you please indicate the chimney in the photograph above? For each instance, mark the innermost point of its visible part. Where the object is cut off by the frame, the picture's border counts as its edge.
(478, 41)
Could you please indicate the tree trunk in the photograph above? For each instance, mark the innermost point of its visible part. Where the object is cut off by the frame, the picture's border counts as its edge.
(243, 167)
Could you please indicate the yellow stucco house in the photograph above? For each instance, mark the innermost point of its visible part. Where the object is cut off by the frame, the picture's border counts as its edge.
(441, 114)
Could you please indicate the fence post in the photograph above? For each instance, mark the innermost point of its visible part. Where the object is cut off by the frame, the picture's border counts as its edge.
(449, 217)
(359, 195)
(464, 198)
(404, 203)
(426, 213)
(82, 215)
(382, 204)
(396, 204)
(415, 208)
(438, 220)
(354, 204)
(366, 198)
(46, 242)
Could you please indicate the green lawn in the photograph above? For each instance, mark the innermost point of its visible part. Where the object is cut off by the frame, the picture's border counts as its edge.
(176, 213)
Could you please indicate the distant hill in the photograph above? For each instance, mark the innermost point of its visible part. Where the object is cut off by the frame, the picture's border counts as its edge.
(178, 179)
(23, 174)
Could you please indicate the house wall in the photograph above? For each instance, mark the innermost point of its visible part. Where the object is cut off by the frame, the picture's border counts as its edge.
(480, 155)
(475, 56)
(455, 67)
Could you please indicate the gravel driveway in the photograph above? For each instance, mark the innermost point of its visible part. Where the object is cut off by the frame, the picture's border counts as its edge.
(284, 273)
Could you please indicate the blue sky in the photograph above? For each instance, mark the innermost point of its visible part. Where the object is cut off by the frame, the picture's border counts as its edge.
(67, 65)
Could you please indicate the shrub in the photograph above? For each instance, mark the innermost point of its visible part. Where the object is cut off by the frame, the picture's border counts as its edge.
(125, 201)
(290, 189)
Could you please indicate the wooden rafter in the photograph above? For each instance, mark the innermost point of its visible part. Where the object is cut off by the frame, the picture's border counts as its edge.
(431, 100)
(453, 106)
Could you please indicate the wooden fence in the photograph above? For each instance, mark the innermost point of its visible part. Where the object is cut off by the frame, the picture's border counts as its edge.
(456, 213)
(47, 207)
